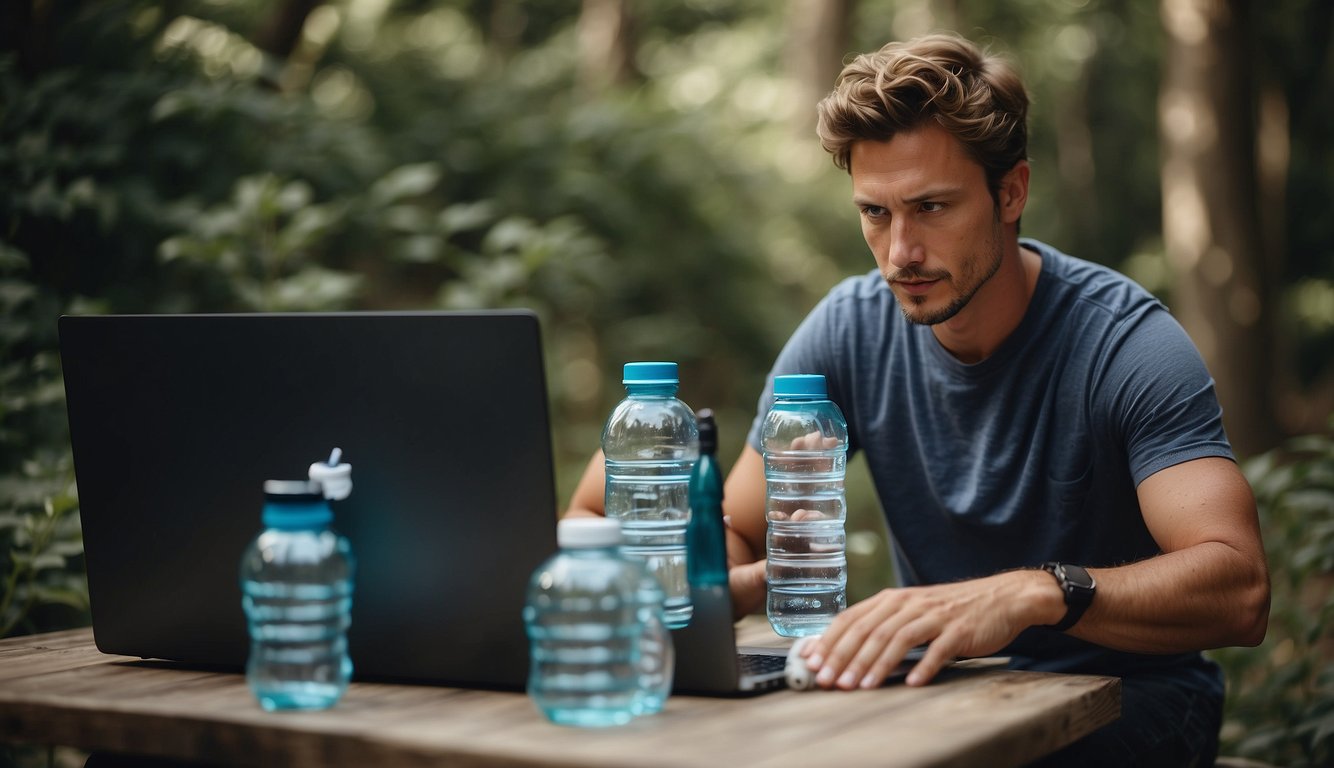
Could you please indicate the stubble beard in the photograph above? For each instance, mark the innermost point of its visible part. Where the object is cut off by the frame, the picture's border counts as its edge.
(966, 292)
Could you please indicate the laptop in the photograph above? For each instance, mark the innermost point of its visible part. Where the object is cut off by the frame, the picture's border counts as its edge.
(708, 660)
(176, 421)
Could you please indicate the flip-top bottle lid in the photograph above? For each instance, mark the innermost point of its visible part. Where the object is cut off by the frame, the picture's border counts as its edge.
(585, 532)
(650, 373)
(810, 386)
(333, 476)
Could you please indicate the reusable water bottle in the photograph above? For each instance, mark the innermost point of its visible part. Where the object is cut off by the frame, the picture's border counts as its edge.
(706, 543)
(650, 444)
(296, 587)
(583, 615)
(805, 442)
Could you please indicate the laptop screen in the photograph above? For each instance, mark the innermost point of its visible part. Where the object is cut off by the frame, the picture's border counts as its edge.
(177, 420)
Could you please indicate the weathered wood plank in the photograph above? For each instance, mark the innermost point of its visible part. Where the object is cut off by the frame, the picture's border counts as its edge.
(59, 690)
(29, 655)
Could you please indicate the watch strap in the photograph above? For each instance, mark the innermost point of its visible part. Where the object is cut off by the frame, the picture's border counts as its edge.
(1078, 592)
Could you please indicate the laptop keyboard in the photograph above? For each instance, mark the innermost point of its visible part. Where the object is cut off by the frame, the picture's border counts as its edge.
(758, 664)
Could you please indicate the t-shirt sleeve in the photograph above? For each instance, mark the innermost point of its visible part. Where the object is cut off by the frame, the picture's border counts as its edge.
(1160, 396)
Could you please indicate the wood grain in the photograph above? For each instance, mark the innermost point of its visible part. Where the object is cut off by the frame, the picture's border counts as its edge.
(58, 689)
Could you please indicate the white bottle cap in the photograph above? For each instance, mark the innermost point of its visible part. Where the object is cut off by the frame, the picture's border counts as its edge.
(584, 532)
(333, 477)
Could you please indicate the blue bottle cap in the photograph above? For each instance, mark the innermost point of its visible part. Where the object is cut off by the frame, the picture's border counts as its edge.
(294, 505)
(810, 386)
(650, 373)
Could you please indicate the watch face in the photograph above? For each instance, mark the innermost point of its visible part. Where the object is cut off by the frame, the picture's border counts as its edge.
(1077, 576)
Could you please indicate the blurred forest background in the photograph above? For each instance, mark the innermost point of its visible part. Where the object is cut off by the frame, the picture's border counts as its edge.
(644, 174)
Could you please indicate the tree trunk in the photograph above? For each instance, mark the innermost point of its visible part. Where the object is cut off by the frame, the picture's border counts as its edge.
(504, 28)
(817, 41)
(281, 33)
(607, 45)
(1292, 121)
(1075, 162)
(290, 64)
(1211, 223)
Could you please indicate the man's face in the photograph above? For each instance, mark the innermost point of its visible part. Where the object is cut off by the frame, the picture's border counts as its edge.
(929, 219)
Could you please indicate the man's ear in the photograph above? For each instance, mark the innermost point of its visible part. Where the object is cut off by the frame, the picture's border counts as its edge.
(1013, 193)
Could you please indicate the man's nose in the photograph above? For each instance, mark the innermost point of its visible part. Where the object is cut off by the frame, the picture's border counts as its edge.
(905, 247)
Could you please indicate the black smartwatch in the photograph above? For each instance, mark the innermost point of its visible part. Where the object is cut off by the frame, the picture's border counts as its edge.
(1078, 586)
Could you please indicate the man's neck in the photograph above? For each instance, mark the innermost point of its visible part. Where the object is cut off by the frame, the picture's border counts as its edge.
(976, 332)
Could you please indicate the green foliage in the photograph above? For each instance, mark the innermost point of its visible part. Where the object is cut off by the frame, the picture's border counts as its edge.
(39, 539)
(41, 545)
(1281, 703)
(257, 244)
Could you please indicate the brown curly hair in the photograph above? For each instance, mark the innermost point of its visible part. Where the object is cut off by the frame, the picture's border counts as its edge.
(976, 97)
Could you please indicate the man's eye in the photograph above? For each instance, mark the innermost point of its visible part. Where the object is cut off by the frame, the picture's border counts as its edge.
(930, 207)
(872, 211)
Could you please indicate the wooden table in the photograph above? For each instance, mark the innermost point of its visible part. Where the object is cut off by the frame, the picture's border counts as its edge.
(59, 689)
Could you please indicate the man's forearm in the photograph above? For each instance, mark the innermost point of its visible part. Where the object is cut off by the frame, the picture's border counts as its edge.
(1209, 589)
(1209, 595)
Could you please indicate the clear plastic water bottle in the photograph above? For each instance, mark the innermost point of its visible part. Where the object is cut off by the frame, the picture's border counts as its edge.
(706, 542)
(650, 444)
(805, 442)
(296, 586)
(584, 619)
(657, 654)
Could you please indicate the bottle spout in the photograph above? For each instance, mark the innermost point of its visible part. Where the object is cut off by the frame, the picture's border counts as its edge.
(333, 477)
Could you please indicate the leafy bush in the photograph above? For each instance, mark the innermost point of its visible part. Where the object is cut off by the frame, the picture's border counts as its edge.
(1281, 702)
(41, 545)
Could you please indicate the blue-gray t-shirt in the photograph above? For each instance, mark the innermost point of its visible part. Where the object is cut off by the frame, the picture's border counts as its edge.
(1032, 454)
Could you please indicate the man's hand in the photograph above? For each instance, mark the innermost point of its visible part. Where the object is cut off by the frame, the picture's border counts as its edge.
(749, 587)
(745, 575)
(967, 618)
(813, 441)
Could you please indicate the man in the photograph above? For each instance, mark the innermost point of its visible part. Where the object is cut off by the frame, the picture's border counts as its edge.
(1017, 407)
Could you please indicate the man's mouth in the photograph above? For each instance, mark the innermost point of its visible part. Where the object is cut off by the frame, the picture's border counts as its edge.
(916, 287)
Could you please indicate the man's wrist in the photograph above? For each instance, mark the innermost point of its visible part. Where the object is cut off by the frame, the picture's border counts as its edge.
(1077, 587)
(1041, 596)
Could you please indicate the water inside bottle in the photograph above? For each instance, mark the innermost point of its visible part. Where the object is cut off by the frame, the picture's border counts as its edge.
(298, 653)
(652, 502)
(585, 653)
(806, 542)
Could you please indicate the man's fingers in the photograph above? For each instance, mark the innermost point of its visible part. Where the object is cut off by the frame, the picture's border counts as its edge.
(854, 640)
(913, 634)
(807, 442)
(938, 654)
(886, 643)
(747, 583)
(866, 642)
(812, 441)
(817, 650)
